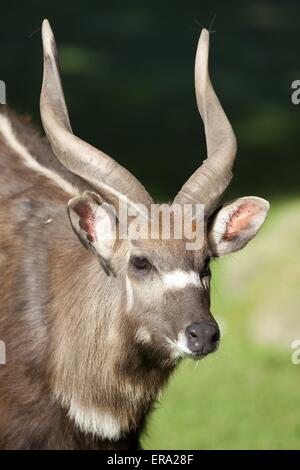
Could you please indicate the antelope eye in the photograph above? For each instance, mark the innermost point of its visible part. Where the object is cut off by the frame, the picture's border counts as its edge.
(140, 262)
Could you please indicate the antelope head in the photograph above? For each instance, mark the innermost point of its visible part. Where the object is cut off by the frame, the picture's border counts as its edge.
(163, 288)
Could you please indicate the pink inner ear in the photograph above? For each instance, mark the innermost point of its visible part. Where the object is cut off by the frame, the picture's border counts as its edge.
(87, 219)
(240, 219)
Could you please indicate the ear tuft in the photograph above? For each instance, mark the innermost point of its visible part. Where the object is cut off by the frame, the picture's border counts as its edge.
(236, 223)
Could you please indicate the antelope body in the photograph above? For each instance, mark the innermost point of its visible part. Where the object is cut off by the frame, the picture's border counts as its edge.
(94, 324)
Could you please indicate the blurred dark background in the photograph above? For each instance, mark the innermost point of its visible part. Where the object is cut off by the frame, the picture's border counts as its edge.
(127, 71)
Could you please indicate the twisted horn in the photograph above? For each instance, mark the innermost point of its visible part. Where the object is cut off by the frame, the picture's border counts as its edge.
(94, 166)
(211, 179)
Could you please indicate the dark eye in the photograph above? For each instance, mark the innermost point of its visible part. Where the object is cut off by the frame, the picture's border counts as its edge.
(140, 262)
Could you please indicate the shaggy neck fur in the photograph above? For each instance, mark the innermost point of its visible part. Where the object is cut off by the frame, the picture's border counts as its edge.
(75, 377)
(102, 376)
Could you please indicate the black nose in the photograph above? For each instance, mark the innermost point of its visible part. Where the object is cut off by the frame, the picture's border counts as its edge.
(202, 337)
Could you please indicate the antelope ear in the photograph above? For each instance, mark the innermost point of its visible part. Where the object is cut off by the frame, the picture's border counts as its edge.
(236, 223)
(94, 222)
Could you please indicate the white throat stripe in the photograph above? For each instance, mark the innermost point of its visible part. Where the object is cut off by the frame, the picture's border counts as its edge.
(100, 424)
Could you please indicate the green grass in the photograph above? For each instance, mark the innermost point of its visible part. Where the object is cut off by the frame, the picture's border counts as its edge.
(247, 395)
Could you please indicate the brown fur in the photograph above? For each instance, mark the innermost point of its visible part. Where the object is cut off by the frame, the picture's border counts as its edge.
(90, 337)
(68, 335)
(53, 335)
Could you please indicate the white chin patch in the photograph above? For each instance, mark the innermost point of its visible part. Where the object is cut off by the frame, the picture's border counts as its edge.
(179, 346)
(99, 423)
